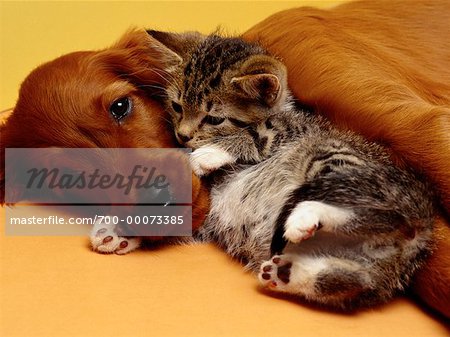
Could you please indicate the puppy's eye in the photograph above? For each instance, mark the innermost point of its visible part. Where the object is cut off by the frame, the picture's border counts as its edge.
(120, 108)
(177, 107)
(213, 120)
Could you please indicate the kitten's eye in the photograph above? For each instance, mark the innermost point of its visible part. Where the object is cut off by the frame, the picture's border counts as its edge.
(213, 120)
(121, 107)
(177, 107)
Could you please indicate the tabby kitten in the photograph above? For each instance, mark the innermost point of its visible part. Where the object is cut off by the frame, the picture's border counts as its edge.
(357, 227)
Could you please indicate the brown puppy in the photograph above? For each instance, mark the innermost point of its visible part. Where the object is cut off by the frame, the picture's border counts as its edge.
(381, 68)
(67, 103)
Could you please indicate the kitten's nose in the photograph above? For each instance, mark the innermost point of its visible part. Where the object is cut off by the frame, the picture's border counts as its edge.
(183, 138)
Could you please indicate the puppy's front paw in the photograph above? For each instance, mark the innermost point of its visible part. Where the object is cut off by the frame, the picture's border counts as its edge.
(105, 240)
(207, 159)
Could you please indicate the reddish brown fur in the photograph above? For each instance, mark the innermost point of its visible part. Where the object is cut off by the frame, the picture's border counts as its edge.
(64, 103)
(381, 68)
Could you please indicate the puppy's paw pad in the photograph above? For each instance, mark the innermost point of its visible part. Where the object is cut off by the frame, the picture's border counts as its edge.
(208, 159)
(104, 239)
(275, 273)
(127, 245)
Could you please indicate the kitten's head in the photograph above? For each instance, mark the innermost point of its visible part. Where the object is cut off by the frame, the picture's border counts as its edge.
(221, 86)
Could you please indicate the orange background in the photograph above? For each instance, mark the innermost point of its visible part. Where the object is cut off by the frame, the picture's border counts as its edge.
(33, 32)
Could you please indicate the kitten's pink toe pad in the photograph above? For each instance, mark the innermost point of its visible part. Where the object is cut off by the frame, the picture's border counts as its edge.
(274, 271)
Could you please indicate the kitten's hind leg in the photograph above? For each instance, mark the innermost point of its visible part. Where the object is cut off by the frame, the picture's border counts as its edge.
(309, 216)
(329, 280)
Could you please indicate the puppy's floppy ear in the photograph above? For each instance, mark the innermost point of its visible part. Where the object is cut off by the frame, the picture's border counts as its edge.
(262, 78)
(2, 166)
(10, 138)
(179, 43)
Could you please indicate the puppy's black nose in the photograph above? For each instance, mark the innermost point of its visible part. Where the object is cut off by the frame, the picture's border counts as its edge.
(183, 138)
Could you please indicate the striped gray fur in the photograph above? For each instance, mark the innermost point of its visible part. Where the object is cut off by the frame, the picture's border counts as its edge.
(358, 227)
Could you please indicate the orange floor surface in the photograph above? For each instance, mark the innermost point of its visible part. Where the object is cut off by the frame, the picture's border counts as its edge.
(56, 286)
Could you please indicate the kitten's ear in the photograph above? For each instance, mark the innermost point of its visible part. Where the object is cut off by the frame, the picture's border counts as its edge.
(263, 78)
(141, 45)
(261, 87)
(179, 43)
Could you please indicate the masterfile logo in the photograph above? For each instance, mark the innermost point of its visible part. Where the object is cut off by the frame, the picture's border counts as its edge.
(142, 192)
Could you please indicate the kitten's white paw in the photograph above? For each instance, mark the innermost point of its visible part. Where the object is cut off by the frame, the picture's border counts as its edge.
(275, 273)
(308, 216)
(302, 223)
(105, 240)
(293, 274)
(207, 159)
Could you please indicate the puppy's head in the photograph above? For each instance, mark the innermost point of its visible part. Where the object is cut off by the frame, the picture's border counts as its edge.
(92, 99)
